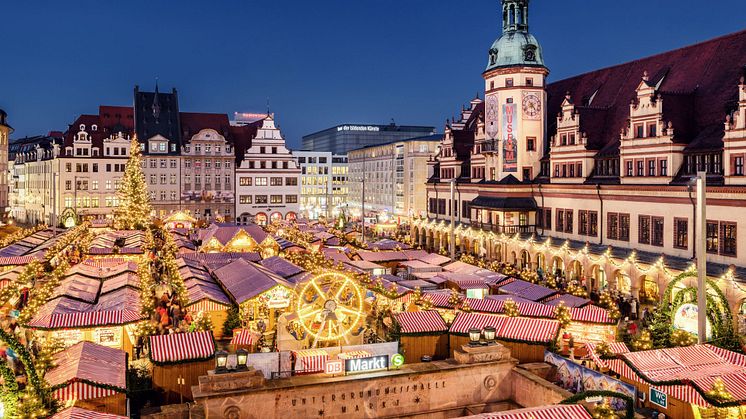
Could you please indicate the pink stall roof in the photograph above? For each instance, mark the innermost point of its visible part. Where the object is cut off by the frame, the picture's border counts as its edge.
(421, 322)
(180, 347)
(80, 413)
(89, 362)
(571, 411)
(245, 280)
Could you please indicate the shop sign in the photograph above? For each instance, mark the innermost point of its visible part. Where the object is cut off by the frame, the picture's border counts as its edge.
(658, 398)
(69, 337)
(371, 363)
(397, 360)
(107, 336)
(335, 366)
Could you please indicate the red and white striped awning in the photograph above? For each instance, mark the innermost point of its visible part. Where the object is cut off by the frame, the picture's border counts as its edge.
(529, 330)
(179, 347)
(421, 322)
(242, 337)
(486, 305)
(615, 347)
(439, 299)
(310, 361)
(79, 413)
(83, 319)
(730, 356)
(81, 391)
(465, 321)
(535, 309)
(19, 260)
(207, 305)
(570, 411)
(590, 314)
(354, 354)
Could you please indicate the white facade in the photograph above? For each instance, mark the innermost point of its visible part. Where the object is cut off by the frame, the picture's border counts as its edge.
(268, 179)
(207, 176)
(323, 184)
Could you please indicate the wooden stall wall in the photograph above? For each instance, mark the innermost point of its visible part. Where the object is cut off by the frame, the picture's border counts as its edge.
(166, 379)
(218, 319)
(523, 352)
(115, 404)
(678, 409)
(415, 346)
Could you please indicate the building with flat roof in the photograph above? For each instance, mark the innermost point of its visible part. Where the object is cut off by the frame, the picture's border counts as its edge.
(323, 183)
(343, 138)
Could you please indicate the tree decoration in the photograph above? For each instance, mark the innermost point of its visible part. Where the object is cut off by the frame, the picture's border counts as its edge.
(134, 208)
(510, 308)
(455, 298)
(20, 235)
(41, 294)
(603, 350)
(682, 338)
(719, 392)
(642, 342)
(607, 301)
(529, 275)
(575, 289)
(562, 314)
(202, 322)
(604, 411)
(233, 321)
(44, 360)
(465, 306)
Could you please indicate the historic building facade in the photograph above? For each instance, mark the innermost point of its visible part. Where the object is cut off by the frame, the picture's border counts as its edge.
(390, 174)
(5, 131)
(267, 177)
(323, 183)
(592, 175)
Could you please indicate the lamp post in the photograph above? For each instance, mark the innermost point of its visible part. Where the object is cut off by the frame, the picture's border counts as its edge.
(242, 357)
(701, 226)
(452, 237)
(221, 362)
(474, 336)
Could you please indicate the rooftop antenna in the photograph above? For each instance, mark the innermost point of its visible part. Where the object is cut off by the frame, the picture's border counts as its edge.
(267, 105)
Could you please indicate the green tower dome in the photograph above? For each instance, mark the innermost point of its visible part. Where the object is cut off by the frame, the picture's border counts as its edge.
(516, 46)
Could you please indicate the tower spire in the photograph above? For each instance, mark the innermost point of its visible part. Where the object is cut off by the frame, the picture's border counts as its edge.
(156, 103)
(515, 15)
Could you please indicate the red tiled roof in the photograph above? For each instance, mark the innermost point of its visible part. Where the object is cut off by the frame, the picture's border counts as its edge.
(698, 83)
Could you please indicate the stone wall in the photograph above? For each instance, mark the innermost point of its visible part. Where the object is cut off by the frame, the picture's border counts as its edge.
(437, 389)
(530, 390)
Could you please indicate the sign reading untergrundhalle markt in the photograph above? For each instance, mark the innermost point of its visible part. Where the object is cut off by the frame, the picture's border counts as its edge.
(371, 363)
(658, 398)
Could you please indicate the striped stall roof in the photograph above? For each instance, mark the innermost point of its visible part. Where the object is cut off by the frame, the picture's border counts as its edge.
(486, 305)
(529, 330)
(354, 354)
(568, 299)
(465, 321)
(535, 309)
(590, 314)
(439, 299)
(81, 391)
(207, 305)
(85, 319)
(80, 413)
(527, 290)
(615, 347)
(421, 322)
(242, 337)
(179, 347)
(570, 411)
(730, 356)
(20, 260)
(80, 367)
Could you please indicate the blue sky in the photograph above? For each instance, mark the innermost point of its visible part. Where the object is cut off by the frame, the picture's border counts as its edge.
(320, 62)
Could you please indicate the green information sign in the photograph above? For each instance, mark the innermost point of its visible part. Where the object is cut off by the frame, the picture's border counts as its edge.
(659, 398)
(397, 360)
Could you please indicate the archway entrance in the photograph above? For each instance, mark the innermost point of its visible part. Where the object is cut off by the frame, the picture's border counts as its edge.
(275, 217)
(525, 259)
(623, 283)
(649, 290)
(557, 266)
(541, 261)
(261, 219)
(576, 270)
(598, 278)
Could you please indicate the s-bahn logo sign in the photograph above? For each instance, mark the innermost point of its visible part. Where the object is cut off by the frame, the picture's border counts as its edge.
(371, 363)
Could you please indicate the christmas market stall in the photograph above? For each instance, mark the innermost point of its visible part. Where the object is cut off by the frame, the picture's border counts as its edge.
(366, 267)
(90, 376)
(597, 354)
(79, 413)
(218, 238)
(97, 303)
(261, 295)
(179, 359)
(179, 220)
(128, 244)
(286, 269)
(687, 382)
(412, 267)
(204, 294)
(422, 334)
(569, 411)
(527, 338)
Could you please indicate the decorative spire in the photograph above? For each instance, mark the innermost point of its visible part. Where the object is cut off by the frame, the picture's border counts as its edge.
(156, 103)
(515, 15)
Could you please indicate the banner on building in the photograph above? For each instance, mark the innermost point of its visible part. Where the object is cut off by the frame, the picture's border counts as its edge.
(492, 111)
(577, 378)
(510, 135)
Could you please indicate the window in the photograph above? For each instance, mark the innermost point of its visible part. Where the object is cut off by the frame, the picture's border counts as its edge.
(680, 233)
(640, 168)
(465, 212)
(651, 167)
(163, 179)
(628, 163)
(556, 170)
(68, 167)
(738, 166)
(639, 131)
(275, 181)
(509, 82)
(275, 199)
(68, 185)
(612, 226)
(244, 199)
(95, 167)
(572, 170)
(108, 184)
(529, 81)
(652, 129)
(244, 181)
(530, 143)
(657, 233)
(261, 181)
(291, 199)
(261, 199)
(592, 223)
(153, 179)
(568, 221)
(173, 178)
(727, 239)
(560, 220)
(663, 167)
(563, 138)
(624, 227)
(94, 185)
(579, 169)
(172, 163)
(153, 163)
(711, 237)
(643, 229)
(548, 218)
(163, 163)
(583, 222)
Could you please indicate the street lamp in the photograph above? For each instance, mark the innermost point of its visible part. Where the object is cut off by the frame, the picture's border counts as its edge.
(242, 358)
(701, 226)
(489, 334)
(221, 361)
(474, 336)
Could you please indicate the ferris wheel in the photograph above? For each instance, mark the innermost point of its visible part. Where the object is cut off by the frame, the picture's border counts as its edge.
(330, 306)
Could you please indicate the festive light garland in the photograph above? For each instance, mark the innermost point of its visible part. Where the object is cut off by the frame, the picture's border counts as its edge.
(510, 308)
(20, 235)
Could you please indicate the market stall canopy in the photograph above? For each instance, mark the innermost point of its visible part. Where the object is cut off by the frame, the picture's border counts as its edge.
(364, 265)
(517, 329)
(335, 255)
(418, 322)
(382, 256)
(32, 245)
(615, 348)
(87, 371)
(127, 242)
(281, 266)
(527, 290)
(568, 300)
(181, 347)
(225, 233)
(388, 244)
(80, 413)
(217, 260)
(570, 411)
(461, 267)
(245, 280)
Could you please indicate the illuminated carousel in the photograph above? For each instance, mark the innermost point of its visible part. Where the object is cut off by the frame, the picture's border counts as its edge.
(329, 312)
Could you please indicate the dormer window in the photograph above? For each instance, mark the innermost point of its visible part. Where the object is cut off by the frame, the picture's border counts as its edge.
(529, 53)
(572, 139)
(94, 127)
(563, 140)
(82, 127)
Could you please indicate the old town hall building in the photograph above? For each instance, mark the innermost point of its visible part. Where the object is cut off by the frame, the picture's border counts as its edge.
(591, 175)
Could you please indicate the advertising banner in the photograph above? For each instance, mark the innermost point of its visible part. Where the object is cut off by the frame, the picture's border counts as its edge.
(510, 135)
(492, 113)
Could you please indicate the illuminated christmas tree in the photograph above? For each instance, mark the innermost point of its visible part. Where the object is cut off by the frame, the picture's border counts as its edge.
(604, 411)
(643, 342)
(134, 203)
(562, 314)
(719, 392)
(511, 308)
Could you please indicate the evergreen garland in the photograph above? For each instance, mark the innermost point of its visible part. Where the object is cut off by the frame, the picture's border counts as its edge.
(579, 397)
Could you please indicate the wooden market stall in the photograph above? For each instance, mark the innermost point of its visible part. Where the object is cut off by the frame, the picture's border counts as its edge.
(204, 294)
(423, 333)
(686, 375)
(527, 338)
(179, 220)
(80, 413)
(90, 375)
(179, 359)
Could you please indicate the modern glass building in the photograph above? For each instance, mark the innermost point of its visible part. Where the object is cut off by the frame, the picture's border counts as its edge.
(346, 137)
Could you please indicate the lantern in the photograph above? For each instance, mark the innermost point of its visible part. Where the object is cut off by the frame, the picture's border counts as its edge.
(242, 358)
(474, 336)
(221, 361)
(489, 334)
